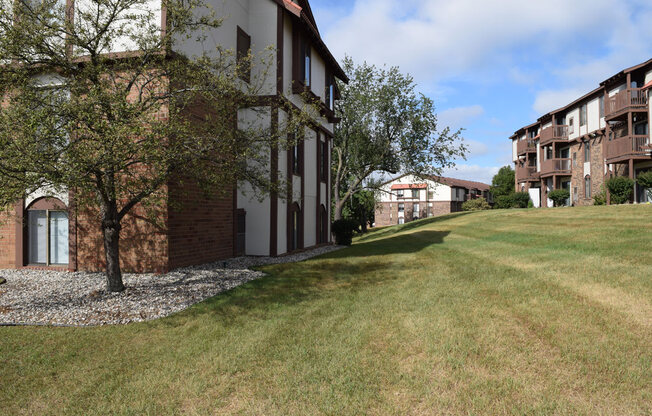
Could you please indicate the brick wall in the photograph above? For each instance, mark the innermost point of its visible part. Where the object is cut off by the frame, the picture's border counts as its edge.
(201, 229)
(7, 240)
(597, 171)
(143, 241)
(382, 215)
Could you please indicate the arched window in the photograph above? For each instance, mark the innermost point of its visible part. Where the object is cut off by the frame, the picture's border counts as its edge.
(295, 233)
(47, 232)
(323, 225)
(587, 186)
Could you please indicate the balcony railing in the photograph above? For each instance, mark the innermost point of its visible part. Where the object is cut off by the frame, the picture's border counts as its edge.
(555, 166)
(552, 133)
(628, 146)
(629, 99)
(526, 172)
(526, 146)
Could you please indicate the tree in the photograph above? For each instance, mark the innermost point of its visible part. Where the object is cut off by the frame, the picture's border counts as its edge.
(620, 189)
(559, 196)
(503, 182)
(117, 129)
(361, 208)
(386, 127)
(645, 181)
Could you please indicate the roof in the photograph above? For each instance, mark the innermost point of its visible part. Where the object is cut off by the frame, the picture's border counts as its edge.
(409, 186)
(303, 13)
(460, 183)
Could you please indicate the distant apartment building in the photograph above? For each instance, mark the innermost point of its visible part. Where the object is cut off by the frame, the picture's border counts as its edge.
(409, 198)
(577, 147)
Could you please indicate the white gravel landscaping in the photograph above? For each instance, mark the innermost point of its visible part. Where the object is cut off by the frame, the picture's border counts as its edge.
(40, 297)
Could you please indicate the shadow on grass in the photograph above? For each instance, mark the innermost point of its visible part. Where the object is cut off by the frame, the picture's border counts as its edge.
(287, 284)
(375, 233)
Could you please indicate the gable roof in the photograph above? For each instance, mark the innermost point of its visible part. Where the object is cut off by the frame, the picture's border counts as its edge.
(461, 183)
(302, 12)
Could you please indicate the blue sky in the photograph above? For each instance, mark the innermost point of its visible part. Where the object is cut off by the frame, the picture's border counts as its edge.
(492, 66)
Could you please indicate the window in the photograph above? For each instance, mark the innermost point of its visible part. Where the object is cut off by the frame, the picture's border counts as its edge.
(401, 207)
(47, 236)
(305, 66)
(583, 115)
(294, 228)
(324, 161)
(399, 193)
(243, 59)
(548, 153)
(295, 155)
(601, 106)
(641, 129)
(401, 220)
(431, 194)
(587, 152)
(415, 209)
(323, 225)
(329, 96)
(587, 187)
(571, 125)
(574, 159)
(415, 193)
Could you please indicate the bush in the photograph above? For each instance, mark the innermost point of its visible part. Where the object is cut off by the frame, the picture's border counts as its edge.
(343, 230)
(530, 204)
(601, 197)
(559, 196)
(504, 201)
(620, 189)
(645, 181)
(478, 204)
(521, 200)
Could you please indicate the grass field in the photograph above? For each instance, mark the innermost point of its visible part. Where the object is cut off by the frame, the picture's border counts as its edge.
(504, 312)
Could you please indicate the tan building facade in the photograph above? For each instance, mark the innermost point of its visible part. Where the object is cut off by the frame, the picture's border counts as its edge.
(577, 147)
(409, 198)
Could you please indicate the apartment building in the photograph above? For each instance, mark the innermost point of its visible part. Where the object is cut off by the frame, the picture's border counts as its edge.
(408, 198)
(44, 231)
(577, 147)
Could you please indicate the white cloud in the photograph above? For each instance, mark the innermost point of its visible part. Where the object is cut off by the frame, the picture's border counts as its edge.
(459, 117)
(472, 172)
(550, 100)
(441, 38)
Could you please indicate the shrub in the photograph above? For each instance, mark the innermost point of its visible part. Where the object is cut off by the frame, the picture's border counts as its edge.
(343, 230)
(530, 204)
(559, 196)
(504, 201)
(645, 181)
(601, 197)
(620, 189)
(478, 204)
(521, 200)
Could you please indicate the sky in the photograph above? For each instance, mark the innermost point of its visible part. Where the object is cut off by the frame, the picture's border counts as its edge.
(492, 66)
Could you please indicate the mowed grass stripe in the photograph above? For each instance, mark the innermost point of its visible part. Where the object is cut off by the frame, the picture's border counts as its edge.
(463, 314)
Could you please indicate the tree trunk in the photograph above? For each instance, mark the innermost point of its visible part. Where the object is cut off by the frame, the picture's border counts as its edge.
(339, 205)
(111, 233)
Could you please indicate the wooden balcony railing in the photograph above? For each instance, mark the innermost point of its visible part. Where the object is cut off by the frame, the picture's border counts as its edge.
(552, 133)
(629, 99)
(628, 146)
(526, 172)
(555, 166)
(526, 146)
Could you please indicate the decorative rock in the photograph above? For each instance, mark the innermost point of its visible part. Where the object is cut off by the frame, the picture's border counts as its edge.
(81, 299)
(3, 280)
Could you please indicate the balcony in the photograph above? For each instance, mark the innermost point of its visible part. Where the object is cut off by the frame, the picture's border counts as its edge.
(526, 146)
(631, 99)
(554, 133)
(555, 167)
(628, 147)
(526, 173)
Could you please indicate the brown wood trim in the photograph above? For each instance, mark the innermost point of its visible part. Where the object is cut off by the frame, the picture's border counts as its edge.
(302, 170)
(72, 232)
(280, 48)
(234, 237)
(296, 48)
(48, 203)
(318, 204)
(290, 197)
(20, 234)
(273, 198)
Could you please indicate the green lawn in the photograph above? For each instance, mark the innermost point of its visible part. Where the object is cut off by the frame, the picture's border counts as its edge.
(503, 312)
